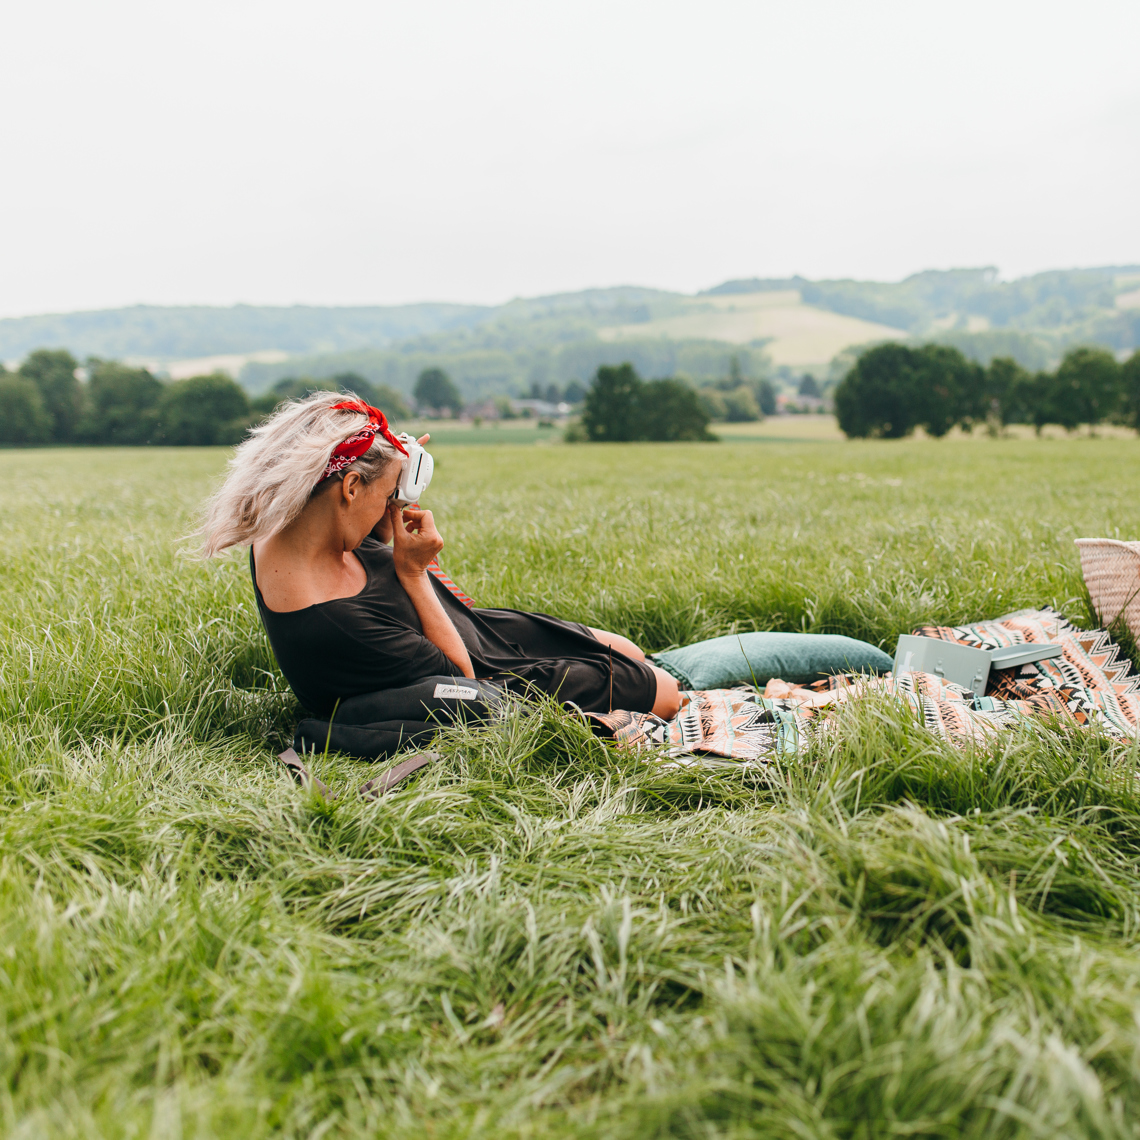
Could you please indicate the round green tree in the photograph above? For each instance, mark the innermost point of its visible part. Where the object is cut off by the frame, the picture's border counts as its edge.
(1130, 390)
(23, 417)
(203, 411)
(881, 395)
(1007, 391)
(53, 373)
(122, 404)
(951, 389)
(435, 391)
(741, 406)
(1088, 387)
(669, 410)
(611, 411)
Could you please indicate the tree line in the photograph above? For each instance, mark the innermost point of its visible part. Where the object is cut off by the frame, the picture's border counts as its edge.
(620, 407)
(44, 401)
(736, 399)
(894, 388)
(890, 390)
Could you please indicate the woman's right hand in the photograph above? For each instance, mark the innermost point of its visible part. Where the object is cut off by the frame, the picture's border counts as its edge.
(415, 541)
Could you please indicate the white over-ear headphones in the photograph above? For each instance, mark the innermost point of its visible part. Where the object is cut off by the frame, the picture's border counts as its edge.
(415, 472)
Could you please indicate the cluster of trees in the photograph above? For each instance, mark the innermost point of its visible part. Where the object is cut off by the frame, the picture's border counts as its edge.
(889, 391)
(620, 407)
(436, 394)
(291, 388)
(504, 356)
(44, 401)
(893, 388)
(811, 394)
(573, 393)
(737, 400)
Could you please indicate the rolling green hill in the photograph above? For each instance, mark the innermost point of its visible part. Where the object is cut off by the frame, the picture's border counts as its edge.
(487, 370)
(172, 332)
(794, 333)
(1047, 311)
(790, 322)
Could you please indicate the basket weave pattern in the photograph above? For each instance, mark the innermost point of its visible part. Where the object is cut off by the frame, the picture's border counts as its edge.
(1112, 575)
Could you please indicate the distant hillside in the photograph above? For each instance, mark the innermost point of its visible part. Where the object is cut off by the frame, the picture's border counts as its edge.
(200, 330)
(793, 333)
(1065, 305)
(792, 324)
(486, 370)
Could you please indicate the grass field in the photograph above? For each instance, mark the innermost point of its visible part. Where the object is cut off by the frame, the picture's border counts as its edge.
(446, 433)
(787, 429)
(798, 334)
(539, 936)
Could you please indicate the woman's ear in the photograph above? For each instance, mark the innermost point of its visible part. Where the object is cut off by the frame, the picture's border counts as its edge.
(350, 486)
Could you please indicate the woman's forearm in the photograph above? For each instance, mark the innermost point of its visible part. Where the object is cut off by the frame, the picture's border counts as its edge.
(436, 625)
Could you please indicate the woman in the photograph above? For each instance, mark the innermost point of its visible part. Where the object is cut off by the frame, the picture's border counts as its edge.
(342, 582)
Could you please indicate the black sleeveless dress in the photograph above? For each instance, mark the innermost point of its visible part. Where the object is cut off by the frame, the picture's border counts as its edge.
(374, 641)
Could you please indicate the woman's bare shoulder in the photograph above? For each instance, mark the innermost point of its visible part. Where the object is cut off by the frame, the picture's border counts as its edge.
(288, 583)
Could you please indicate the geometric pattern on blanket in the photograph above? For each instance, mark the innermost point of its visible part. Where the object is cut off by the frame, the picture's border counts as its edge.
(743, 725)
(736, 724)
(1091, 683)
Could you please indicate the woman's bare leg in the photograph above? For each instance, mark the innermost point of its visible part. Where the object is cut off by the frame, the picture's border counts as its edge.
(668, 702)
(616, 641)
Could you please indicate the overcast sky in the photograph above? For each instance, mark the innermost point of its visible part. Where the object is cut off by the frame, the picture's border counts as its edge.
(350, 152)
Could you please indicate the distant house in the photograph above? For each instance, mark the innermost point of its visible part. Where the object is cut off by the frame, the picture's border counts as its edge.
(540, 408)
(487, 410)
(792, 404)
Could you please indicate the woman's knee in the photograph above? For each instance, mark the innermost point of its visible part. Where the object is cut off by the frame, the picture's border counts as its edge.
(668, 701)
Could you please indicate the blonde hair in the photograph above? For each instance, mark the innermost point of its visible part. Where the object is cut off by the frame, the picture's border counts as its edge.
(278, 469)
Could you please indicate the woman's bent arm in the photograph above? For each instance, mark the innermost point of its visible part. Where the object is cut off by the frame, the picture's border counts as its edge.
(415, 542)
(437, 626)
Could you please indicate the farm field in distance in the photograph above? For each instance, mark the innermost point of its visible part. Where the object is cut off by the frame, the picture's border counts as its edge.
(540, 936)
(797, 334)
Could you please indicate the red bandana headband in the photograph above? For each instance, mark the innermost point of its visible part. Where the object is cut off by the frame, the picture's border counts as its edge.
(351, 449)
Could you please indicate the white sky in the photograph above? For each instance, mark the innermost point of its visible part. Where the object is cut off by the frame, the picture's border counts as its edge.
(350, 152)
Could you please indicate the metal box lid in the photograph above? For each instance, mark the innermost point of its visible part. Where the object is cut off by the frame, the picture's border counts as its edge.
(962, 664)
(1010, 656)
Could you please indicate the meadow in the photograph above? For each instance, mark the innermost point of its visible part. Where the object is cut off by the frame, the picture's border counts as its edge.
(538, 935)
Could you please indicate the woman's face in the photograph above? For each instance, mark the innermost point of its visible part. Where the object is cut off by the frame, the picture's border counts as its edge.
(364, 504)
(387, 483)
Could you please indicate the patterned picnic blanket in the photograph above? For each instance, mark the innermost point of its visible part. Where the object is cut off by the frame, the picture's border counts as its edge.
(1091, 683)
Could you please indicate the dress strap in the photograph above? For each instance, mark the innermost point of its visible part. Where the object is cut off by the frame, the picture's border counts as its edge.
(436, 571)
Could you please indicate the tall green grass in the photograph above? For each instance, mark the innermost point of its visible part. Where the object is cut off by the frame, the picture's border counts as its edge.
(539, 935)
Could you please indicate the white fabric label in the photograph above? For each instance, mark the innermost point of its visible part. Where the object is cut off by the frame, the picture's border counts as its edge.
(455, 692)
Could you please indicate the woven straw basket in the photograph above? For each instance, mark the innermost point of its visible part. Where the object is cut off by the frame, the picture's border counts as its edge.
(1112, 574)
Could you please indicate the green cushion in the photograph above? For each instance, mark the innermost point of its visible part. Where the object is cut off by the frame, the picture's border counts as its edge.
(797, 657)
